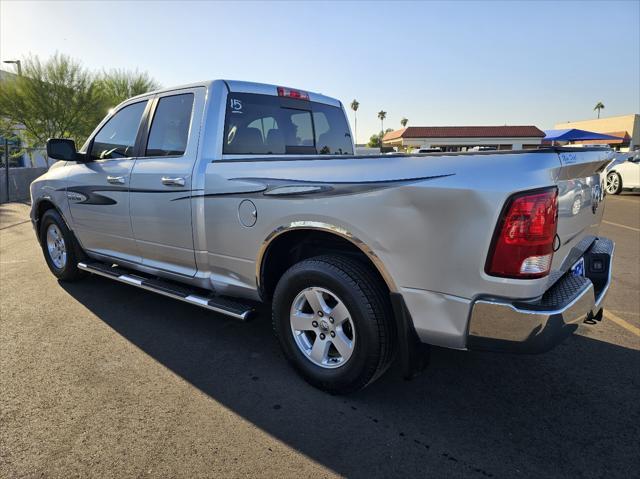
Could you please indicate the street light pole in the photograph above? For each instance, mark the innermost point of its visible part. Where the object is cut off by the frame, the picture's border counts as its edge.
(18, 65)
(6, 165)
(6, 142)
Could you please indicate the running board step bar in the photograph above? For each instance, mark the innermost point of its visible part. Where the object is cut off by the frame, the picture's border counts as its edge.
(173, 290)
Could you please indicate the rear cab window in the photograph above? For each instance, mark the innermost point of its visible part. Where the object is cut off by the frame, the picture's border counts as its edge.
(258, 124)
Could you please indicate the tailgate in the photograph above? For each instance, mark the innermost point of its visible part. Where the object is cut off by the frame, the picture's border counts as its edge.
(580, 202)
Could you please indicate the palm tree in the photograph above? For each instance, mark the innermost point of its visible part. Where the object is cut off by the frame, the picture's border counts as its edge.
(404, 122)
(354, 106)
(381, 116)
(599, 106)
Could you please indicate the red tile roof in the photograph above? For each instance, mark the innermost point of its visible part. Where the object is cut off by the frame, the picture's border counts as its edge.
(392, 135)
(465, 132)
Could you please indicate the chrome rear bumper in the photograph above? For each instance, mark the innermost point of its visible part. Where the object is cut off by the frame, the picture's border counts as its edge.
(537, 326)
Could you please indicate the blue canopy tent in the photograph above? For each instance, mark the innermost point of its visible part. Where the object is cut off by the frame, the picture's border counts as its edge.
(574, 134)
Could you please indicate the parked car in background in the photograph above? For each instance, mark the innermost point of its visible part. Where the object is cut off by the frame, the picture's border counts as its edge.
(223, 194)
(427, 149)
(365, 150)
(623, 173)
(483, 148)
(577, 194)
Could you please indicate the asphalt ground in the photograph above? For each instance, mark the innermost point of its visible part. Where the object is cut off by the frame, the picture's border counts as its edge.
(100, 379)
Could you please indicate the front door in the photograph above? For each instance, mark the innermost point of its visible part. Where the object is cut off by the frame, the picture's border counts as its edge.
(98, 191)
(161, 182)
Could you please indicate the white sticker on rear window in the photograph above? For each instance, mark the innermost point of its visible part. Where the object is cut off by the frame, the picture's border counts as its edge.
(236, 105)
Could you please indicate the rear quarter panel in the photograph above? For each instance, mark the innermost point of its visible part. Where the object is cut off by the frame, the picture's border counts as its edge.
(430, 219)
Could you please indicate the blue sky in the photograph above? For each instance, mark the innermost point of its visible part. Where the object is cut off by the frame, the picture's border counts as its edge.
(437, 63)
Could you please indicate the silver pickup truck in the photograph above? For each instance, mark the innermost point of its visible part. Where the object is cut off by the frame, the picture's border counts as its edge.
(226, 193)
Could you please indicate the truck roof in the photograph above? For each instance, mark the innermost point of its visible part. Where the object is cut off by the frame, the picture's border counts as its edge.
(247, 87)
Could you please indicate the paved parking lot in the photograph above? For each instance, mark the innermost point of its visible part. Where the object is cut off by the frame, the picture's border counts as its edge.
(101, 379)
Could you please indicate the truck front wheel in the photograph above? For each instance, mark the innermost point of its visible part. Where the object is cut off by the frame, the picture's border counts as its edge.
(60, 247)
(333, 319)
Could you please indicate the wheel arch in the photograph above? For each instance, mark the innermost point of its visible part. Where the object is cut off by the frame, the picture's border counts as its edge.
(43, 205)
(618, 174)
(296, 241)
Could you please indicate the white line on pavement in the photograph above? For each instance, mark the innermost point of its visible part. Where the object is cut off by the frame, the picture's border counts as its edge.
(621, 226)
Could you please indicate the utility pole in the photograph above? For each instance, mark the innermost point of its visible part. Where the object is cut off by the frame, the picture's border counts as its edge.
(6, 166)
(18, 65)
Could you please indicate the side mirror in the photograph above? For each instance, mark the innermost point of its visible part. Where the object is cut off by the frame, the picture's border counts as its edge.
(64, 150)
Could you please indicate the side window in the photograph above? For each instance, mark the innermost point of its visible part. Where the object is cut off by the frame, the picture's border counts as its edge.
(170, 127)
(117, 137)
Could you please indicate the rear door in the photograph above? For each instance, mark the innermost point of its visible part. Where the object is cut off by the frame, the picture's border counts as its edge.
(98, 191)
(162, 180)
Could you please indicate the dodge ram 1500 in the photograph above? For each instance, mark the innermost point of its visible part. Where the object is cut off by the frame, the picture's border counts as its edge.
(225, 193)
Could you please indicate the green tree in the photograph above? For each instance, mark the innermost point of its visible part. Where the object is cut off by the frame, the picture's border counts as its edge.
(404, 122)
(59, 98)
(354, 106)
(374, 141)
(56, 98)
(599, 106)
(118, 85)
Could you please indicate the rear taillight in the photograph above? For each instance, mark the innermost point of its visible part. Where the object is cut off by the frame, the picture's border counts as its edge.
(522, 245)
(289, 93)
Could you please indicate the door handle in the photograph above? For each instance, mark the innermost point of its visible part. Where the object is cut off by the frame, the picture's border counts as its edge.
(116, 180)
(172, 181)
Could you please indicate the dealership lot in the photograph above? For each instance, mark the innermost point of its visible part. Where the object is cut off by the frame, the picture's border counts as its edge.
(101, 379)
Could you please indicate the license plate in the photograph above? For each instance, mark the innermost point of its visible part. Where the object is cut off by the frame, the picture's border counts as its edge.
(578, 268)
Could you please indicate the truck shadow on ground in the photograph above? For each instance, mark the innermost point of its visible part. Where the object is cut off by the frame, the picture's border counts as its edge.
(570, 412)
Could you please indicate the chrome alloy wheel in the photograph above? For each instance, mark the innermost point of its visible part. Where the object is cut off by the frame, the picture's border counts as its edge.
(322, 327)
(613, 182)
(56, 247)
(577, 204)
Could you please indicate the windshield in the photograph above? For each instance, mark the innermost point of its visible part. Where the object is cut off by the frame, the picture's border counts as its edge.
(270, 125)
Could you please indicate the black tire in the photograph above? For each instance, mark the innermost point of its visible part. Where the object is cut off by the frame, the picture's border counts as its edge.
(69, 270)
(367, 301)
(618, 190)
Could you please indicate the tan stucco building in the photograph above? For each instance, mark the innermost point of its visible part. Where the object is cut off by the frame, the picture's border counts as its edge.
(626, 127)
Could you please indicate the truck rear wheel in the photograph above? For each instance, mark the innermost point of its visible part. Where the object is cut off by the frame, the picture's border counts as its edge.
(61, 250)
(334, 322)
